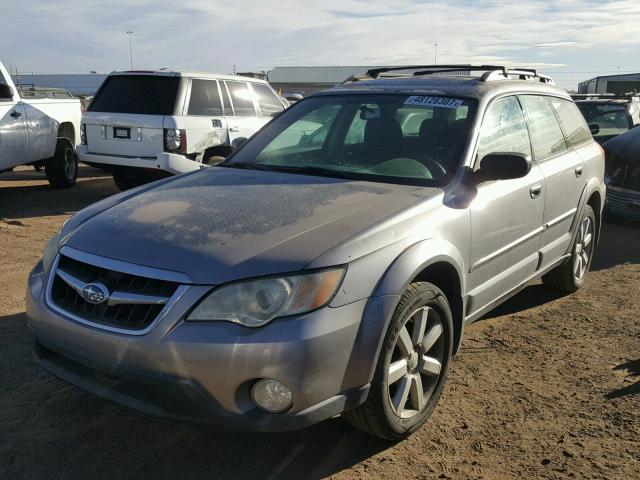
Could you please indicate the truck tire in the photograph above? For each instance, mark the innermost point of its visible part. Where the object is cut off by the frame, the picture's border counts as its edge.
(412, 365)
(570, 275)
(62, 168)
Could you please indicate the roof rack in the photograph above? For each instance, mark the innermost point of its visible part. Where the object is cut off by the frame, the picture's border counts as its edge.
(491, 72)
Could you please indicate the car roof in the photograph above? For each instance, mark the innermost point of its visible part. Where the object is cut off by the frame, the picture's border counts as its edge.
(462, 86)
(188, 74)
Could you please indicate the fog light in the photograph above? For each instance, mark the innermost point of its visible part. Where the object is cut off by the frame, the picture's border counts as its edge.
(271, 395)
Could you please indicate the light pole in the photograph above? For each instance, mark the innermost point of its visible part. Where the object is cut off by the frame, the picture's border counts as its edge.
(435, 53)
(130, 50)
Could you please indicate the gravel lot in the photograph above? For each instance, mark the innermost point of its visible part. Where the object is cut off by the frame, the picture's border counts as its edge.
(548, 386)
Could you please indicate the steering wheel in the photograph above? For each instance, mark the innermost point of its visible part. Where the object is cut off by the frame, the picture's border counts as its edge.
(408, 167)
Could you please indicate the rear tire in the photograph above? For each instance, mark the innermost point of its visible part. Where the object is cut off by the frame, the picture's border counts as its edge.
(62, 168)
(412, 366)
(570, 276)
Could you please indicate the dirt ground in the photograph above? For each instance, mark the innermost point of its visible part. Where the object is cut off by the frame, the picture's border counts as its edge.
(548, 386)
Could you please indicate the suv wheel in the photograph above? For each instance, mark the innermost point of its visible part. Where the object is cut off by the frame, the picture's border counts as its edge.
(412, 366)
(126, 182)
(570, 276)
(62, 168)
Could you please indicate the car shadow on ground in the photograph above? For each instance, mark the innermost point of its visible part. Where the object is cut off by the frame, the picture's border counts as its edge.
(618, 246)
(40, 200)
(65, 427)
(633, 370)
(531, 297)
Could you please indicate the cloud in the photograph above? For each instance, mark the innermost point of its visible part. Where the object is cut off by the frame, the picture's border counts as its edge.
(68, 36)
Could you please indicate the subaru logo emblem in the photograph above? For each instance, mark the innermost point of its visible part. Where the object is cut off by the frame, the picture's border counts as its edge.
(95, 293)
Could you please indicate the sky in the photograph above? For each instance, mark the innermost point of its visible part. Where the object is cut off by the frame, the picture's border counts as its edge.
(572, 40)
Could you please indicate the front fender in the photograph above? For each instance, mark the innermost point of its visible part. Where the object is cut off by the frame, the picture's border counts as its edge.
(406, 267)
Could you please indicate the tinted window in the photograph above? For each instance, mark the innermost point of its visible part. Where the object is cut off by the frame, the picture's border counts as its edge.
(546, 136)
(504, 129)
(205, 98)
(611, 118)
(571, 120)
(269, 102)
(143, 94)
(362, 136)
(242, 99)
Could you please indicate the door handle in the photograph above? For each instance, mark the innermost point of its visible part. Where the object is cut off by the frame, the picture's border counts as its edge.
(535, 190)
(15, 114)
(578, 170)
(234, 129)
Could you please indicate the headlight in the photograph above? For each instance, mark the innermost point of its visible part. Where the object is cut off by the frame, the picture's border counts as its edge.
(256, 302)
(50, 251)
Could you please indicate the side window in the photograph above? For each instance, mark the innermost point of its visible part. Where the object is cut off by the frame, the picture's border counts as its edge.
(571, 121)
(205, 98)
(267, 99)
(242, 99)
(503, 129)
(546, 136)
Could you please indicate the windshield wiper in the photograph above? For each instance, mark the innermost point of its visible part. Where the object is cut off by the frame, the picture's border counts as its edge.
(318, 171)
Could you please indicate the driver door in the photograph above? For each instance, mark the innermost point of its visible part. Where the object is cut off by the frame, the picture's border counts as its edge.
(12, 130)
(506, 215)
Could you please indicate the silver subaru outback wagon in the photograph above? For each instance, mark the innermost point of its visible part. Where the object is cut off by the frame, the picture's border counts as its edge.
(330, 265)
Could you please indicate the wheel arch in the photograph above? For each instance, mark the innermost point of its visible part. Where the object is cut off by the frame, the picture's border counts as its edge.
(67, 130)
(436, 261)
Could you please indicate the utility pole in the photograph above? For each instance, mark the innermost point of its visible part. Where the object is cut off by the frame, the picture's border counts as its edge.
(435, 53)
(129, 32)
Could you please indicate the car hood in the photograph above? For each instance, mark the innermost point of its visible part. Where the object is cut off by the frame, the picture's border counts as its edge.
(222, 224)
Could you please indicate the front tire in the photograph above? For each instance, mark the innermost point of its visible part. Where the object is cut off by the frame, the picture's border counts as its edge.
(570, 276)
(62, 168)
(412, 366)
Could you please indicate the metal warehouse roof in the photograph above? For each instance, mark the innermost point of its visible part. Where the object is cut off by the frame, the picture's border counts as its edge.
(75, 83)
(320, 75)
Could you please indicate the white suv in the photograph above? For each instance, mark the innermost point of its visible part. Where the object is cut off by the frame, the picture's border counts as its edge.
(146, 125)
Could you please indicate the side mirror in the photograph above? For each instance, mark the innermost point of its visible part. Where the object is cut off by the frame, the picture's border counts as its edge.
(594, 129)
(6, 91)
(503, 166)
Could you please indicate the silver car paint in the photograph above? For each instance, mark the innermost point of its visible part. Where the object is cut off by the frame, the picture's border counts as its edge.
(222, 224)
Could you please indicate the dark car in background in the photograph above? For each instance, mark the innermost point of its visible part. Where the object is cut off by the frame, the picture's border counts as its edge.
(609, 115)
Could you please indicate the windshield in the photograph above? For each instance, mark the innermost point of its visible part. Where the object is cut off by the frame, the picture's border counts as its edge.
(611, 118)
(141, 94)
(386, 138)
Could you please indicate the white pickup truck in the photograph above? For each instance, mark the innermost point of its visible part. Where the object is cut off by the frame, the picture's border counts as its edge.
(39, 130)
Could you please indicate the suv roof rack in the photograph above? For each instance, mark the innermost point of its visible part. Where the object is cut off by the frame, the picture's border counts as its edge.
(491, 72)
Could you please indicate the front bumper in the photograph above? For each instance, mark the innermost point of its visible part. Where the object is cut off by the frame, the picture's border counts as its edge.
(167, 162)
(204, 371)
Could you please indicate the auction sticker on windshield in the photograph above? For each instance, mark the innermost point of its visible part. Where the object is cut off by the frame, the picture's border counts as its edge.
(443, 102)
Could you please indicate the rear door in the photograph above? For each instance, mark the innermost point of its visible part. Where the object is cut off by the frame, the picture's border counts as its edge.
(13, 131)
(245, 120)
(561, 165)
(126, 117)
(206, 123)
(506, 215)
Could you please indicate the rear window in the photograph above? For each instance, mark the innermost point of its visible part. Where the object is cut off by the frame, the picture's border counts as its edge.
(546, 136)
(141, 94)
(205, 98)
(571, 121)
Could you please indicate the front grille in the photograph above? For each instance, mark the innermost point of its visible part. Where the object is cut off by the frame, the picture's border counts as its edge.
(134, 303)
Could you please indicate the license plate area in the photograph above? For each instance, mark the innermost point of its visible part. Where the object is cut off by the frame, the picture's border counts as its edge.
(122, 133)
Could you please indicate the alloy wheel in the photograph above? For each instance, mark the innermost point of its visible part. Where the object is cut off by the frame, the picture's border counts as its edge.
(69, 163)
(416, 362)
(583, 249)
